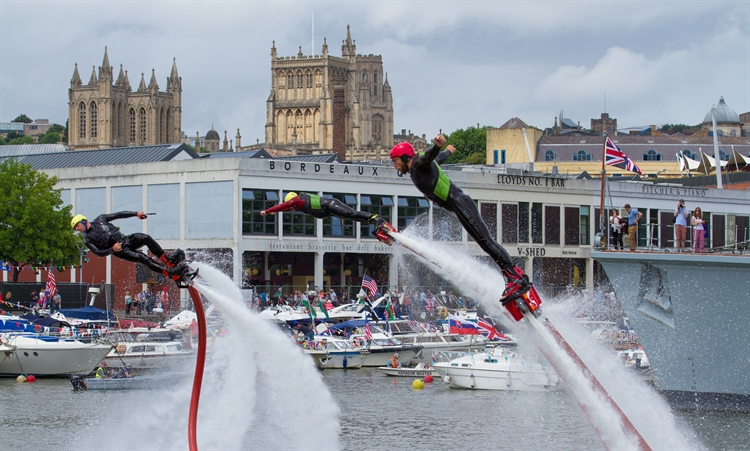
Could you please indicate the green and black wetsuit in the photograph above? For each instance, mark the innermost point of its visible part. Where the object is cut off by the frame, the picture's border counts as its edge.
(321, 207)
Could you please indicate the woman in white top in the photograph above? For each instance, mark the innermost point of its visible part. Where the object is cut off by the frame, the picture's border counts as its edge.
(697, 221)
(615, 225)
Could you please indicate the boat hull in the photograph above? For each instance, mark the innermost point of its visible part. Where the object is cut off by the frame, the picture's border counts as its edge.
(148, 382)
(337, 360)
(381, 356)
(408, 372)
(691, 314)
(42, 357)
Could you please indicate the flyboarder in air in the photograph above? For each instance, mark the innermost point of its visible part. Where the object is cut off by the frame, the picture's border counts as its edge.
(104, 238)
(429, 178)
(324, 207)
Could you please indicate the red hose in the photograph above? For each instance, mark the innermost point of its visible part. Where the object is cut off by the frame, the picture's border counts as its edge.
(199, 364)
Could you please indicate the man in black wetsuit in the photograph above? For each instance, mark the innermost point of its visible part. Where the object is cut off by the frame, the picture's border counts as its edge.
(103, 238)
(429, 178)
(323, 207)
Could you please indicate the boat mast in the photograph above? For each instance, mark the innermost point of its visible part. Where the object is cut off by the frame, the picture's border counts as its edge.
(602, 216)
(716, 148)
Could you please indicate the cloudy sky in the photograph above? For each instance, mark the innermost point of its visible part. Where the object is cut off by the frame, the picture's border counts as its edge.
(451, 64)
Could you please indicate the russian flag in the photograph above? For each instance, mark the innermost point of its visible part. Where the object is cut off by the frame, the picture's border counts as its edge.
(459, 326)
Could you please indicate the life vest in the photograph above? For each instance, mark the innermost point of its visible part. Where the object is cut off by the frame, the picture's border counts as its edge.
(443, 184)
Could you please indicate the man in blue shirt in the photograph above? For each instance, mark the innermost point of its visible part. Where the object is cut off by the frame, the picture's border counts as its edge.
(633, 217)
(681, 216)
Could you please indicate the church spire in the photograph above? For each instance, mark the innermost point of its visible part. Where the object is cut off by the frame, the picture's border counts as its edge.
(324, 52)
(349, 47)
(105, 71)
(93, 81)
(273, 50)
(174, 81)
(76, 80)
(126, 82)
(152, 84)
(142, 86)
(120, 78)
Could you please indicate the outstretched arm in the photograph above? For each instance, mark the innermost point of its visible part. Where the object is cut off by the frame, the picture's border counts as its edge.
(433, 151)
(122, 215)
(293, 204)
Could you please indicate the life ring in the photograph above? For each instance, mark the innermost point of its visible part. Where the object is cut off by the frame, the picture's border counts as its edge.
(443, 312)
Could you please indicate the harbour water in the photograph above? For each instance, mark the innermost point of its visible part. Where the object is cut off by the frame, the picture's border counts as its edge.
(261, 393)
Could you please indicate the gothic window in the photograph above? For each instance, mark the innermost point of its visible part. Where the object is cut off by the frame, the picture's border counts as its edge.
(290, 81)
(581, 155)
(93, 119)
(162, 127)
(377, 128)
(82, 120)
(142, 118)
(733, 133)
(364, 75)
(375, 83)
(651, 155)
(298, 126)
(168, 127)
(131, 118)
(549, 155)
(309, 80)
(300, 83)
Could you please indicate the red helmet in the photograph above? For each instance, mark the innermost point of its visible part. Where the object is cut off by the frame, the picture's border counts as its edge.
(402, 150)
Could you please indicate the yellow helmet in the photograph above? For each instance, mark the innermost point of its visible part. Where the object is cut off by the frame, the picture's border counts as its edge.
(76, 219)
(290, 196)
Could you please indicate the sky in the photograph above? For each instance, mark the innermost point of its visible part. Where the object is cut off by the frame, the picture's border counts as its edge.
(450, 64)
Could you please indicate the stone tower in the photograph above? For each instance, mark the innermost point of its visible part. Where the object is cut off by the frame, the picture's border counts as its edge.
(324, 103)
(107, 113)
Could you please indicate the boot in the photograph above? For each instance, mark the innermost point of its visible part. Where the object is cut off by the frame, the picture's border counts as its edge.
(377, 222)
(518, 282)
(174, 258)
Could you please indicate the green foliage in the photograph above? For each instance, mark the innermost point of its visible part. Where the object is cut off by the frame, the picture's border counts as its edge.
(13, 135)
(34, 226)
(49, 138)
(470, 144)
(23, 118)
(57, 128)
(676, 128)
(21, 140)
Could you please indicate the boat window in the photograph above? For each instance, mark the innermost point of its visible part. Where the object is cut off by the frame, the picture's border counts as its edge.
(174, 347)
(136, 349)
(454, 364)
(466, 365)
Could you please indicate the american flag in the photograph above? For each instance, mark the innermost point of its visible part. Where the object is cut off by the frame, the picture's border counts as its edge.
(617, 158)
(369, 283)
(368, 332)
(488, 330)
(51, 288)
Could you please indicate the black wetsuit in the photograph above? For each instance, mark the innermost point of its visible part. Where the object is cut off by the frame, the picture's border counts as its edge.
(102, 235)
(321, 207)
(430, 179)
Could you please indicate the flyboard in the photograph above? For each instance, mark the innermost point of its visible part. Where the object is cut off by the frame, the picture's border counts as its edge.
(526, 304)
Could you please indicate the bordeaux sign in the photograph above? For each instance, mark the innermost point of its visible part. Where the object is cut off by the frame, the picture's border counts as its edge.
(325, 168)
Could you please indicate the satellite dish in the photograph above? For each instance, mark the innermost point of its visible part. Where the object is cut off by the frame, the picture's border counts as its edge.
(423, 315)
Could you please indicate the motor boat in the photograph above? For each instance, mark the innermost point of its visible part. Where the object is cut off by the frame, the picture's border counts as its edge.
(498, 369)
(335, 353)
(145, 382)
(149, 355)
(48, 356)
(421, 370)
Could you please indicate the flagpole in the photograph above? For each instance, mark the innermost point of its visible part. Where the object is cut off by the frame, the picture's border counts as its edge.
(601, 196)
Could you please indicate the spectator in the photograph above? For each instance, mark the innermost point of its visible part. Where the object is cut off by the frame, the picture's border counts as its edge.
(698, 230)
(128, 303)
(55, 303)
(140, 303)
(34, 297)
(263, 300)
(633, 217)
(615, 230)
(306, 332)
(334, 297)
(394, 363)
(680, 225)
(101, 372)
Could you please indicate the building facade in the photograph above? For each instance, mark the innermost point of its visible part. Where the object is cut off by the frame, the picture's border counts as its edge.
(323, 103)
(107, 113)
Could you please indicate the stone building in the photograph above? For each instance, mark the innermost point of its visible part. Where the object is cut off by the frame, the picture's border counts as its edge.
(604, 125)
(324, 103)
(107, 113)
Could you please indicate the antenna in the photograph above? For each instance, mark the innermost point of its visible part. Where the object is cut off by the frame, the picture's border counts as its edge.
(313, 35)
(605, 100)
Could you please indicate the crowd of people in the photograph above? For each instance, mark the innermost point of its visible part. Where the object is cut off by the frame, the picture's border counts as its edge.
(144, 302)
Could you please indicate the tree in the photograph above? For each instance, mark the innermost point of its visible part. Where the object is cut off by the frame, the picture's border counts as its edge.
(34, 226)
(23, 118)
(21, 140)
(50, 138)
(470, 144)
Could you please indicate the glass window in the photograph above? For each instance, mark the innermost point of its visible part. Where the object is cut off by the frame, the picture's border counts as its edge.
(409, 208)
(651, 155)
(510, 223)
(537, 224)
(584, 225)
(549, 156)
(581, 156)
(339, 227)
(551, 225)
(523, 222)
(253, 202)
(689, 154)
(488, 211)
(381, 205)
(571, 226)
(297, 223)
(209, 210)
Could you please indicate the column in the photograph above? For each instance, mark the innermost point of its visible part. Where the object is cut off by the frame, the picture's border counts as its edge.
(392, 273)
(319, 270)
(590, 275)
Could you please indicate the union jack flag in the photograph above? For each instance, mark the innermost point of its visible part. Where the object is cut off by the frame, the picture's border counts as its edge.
(430, 304)
(617, 158)
(369, 283)
(368, 332)
(488, 330)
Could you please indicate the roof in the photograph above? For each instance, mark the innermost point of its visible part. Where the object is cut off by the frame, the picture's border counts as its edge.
(112, 156)
(30, 149)
(514, 122)
(212, 134)
(318, 158)
(724, 114)
(245, 154)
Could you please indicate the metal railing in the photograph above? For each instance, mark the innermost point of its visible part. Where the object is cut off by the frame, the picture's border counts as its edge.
(736, 237)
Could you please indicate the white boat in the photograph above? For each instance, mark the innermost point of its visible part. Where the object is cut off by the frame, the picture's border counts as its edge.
(42, 355)
(147, 355)
(421, 370)
(145, 382)
(500, 369)
(335, 353)
(634, 358)
(441, 342)
(382, 348)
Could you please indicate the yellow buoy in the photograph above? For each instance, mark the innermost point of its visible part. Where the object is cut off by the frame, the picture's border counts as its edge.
(417, 384)
(21, 378)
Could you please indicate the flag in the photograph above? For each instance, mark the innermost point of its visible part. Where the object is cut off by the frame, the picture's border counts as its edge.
(430, 305)
(51, 288)
(488, 330)
(460, 326)
(369, 283)
(310, 309)
(322, 306)
(368, 332)
(617, 158)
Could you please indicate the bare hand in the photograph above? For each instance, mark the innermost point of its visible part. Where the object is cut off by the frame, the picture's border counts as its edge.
(450, 148)
(439, 140)
(263, 212)
(141, 215)
(117, 247)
